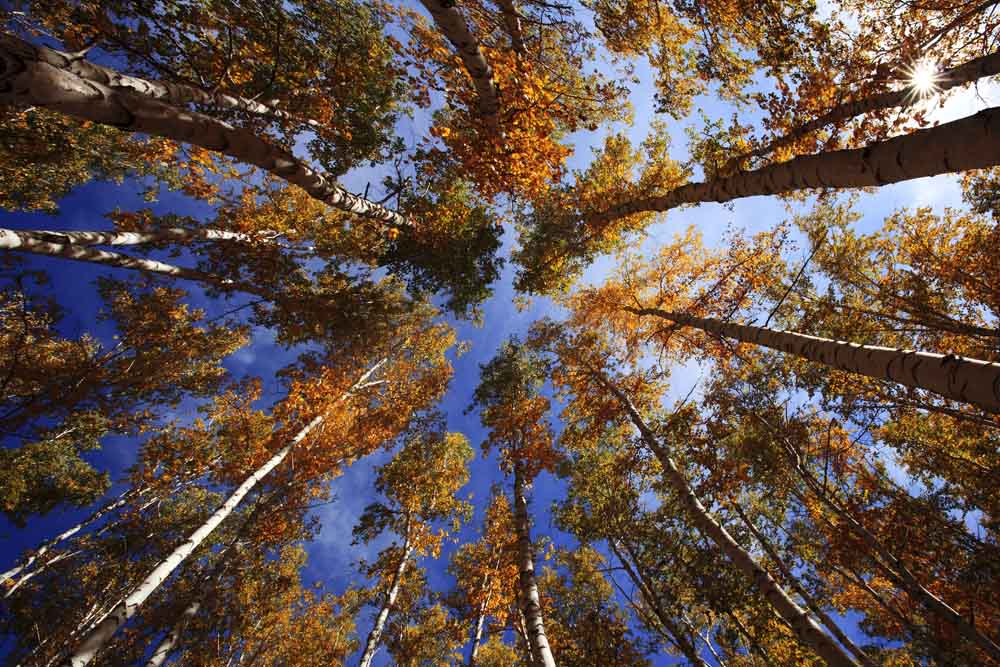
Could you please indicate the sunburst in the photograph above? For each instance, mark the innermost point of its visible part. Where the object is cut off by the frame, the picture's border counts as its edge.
(922, 79)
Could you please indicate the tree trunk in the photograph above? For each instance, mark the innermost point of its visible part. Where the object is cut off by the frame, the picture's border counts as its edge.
(27, 79)
(167, 645)
(44, 547)
(961, 145)
(973, 70)
(828, 622)
(512, 24)
(451, 23)
(172, 93)
(118, 616)
(26, 242)
(11, 239)
(680, 639)
(375, 636)
(960, 379)
(807, 631)
(477, 635)
(530, 603)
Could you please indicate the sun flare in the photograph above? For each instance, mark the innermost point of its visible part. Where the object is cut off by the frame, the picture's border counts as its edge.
(922, 79)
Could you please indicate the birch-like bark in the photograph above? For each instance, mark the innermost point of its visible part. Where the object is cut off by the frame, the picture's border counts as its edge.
(477, 635)
(375, 636)
(11, 239)
(958, 378)
(106, 628)
(44, 547)
(167, 645)
(968, 143)
(512, 24)
(679, 637)
(26, 79)
(985, 66)
(530, 603)
(522, 632)
(805, 629)
(172, 93)
(810, 601)
(451, 23)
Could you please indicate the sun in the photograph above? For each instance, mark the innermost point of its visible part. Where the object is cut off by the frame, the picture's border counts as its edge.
(922, 79)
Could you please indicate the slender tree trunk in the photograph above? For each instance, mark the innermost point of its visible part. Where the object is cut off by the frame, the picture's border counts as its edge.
(167, 645)
(961, 145)
(477, 635)
(830, 624)
(118, 616)
(172, 93)
(26, 242)
(44, 547)
(27, 79)
(530, 603)
(522, 631)
(451, 23)
(11, 239)
(375, 636)
(973, 70)
(807, 631)
(894, 568)
(652, 600)
(958, 378)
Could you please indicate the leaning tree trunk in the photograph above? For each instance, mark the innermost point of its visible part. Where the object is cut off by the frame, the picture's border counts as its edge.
(44, 547)
(958, 378)
(805, 629)
(973, 70)
(120, 614)
(167, 645)
(27, 242)
(961, 145)
(375, 636)
(677, 636)
(28, 79)
(530, 604)
(477, 635)
(165, 91)
(11, 239)
(451, 23)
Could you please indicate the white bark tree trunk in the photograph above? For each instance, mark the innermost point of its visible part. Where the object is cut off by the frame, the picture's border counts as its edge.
(960, 379)
(961, 145)
(167, 645)
(805, 629)
(44, 547)
(11, 239)
(27, 79)
(451, 23)
(375, 636)
(530, 604)
(106, 628)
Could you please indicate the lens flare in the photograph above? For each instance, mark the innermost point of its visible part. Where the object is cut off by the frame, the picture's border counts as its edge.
(922, 79)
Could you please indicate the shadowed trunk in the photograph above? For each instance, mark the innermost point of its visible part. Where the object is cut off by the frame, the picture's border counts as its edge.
(973, 70)
(27, 79)
(960, 379)
(961, 145)
(805, 629)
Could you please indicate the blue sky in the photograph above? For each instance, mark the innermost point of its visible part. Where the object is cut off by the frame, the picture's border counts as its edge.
(332, 558)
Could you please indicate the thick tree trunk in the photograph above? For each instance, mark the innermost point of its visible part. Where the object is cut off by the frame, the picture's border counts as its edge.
(44, 547)
(786, 572)
(167, 645)
(375, 636)
(451, 23)
(11, 239)
(27, 79)
(961, 145)
(960, 379)
(106, 628)
(165, 91)
(805, 629)
(679, 637)
(530, 604)
(973, 70)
